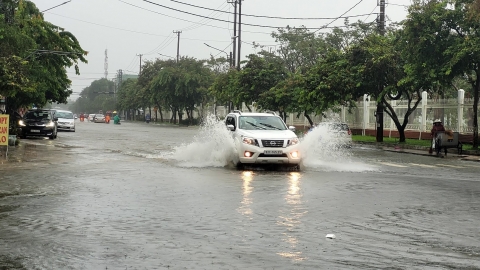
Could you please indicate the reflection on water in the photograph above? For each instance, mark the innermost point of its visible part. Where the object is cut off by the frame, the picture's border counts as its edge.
(291, 219)
(244, 209)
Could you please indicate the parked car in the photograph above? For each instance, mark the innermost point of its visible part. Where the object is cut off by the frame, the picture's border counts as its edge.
(263, 138)
(38, 123)
(99, 118)
(66, 120)
(338, 131)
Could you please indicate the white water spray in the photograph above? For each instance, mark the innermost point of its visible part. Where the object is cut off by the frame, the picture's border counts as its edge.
(325, 150)
(212, 147)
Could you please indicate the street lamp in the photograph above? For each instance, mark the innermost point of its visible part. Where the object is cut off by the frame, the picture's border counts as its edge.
(221, 51)
(57, 6)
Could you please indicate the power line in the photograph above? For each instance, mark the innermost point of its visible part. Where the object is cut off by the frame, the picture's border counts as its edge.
(370, 14)
(195, 25)
(132, 62)
(269, 17)
(145, 33)
(400, 5)
(220, 20)
(214, 26)
(340, 15)
(162, 45)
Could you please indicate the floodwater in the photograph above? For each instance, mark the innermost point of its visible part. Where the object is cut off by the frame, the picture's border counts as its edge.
(145, 196)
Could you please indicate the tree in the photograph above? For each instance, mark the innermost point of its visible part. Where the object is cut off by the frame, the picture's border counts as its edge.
(98, 96)
(325, 86)
(258, 75)
(127, 95)
(224, 87)
(378, 64)
(182, 85)
(150, 70)
(444, 42)
(38, 53)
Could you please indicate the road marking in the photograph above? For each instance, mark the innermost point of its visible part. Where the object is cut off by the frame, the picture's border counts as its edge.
(393, 165)
(423, 165)
(451, 166)
(471, 166)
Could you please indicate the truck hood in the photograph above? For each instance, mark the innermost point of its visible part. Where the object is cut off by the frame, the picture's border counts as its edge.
(269, 134)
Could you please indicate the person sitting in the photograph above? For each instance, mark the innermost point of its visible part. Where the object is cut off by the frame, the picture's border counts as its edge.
(436, 129)
(116, 120)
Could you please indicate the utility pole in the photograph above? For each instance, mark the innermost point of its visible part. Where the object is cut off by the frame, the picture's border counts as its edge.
(239, 32)
(140, 70)
(234, 32)
(379, 112)
(178, 43)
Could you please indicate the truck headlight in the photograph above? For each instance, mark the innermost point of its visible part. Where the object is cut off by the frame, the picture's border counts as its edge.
(251, 141)
(51, 124)
(293, 141)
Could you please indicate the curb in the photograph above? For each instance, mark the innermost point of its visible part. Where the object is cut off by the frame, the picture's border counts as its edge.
(421, 151)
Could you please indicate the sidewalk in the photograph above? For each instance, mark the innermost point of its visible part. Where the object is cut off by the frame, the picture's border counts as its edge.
(423, 151)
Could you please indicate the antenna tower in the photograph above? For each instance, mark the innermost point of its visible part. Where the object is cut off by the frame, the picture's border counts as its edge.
(105, 65)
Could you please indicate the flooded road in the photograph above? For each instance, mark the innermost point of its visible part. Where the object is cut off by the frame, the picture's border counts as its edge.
(143, 196)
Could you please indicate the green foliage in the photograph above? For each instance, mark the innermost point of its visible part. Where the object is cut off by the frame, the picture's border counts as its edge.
(259, 75)
(443, 43)
(181, 85)
(98, 96)
(34, 55)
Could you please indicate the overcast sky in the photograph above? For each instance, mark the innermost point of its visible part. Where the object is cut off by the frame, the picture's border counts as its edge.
(127, 28)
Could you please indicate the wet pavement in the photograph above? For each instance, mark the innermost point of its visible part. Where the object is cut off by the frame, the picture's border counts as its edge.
(143, 196)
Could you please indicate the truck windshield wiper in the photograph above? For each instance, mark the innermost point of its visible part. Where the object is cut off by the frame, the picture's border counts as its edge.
(252, 124)
(270, 126)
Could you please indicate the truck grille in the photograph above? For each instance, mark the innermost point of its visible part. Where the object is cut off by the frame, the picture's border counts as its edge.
(272, 143)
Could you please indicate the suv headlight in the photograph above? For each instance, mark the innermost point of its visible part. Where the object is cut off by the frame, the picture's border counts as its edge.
(251, 141)
(51, 124)
(293, 141)
(21, 123)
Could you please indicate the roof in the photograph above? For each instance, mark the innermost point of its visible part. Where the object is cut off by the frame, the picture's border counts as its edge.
(252, 113)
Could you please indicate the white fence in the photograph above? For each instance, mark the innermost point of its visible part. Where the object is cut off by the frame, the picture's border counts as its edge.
(456, 114)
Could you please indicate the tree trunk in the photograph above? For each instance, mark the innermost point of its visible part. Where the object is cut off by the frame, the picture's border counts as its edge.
(248, 107)
(308, 118)
(401, 133)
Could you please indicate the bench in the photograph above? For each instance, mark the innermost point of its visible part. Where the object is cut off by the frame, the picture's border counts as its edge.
(448, 141)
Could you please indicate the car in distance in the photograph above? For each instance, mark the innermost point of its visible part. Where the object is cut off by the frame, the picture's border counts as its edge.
(90, 117)
(99, 118)
(66, 120)
(38, 123)
(263, 138)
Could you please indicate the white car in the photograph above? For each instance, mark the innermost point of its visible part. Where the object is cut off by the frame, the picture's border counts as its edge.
(263, 138)
(91, 117)
(66, 120)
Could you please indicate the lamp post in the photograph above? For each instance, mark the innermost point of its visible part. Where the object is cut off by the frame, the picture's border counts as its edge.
(228, 57)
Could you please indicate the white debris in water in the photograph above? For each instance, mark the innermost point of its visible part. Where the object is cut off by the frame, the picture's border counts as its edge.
(330, 236)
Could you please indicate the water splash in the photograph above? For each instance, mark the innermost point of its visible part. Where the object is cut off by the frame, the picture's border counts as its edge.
(327, 151)
(212, 147)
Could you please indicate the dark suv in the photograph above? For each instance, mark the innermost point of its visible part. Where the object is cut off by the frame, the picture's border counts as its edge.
(39, 123)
